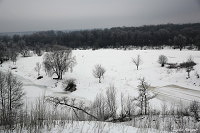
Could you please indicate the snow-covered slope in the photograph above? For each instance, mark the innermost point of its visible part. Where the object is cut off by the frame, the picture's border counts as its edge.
(120, 72)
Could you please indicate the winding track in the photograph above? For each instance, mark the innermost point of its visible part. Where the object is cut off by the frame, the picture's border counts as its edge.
(174, 93)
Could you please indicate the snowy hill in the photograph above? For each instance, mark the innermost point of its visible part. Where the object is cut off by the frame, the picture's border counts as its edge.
(120, 72)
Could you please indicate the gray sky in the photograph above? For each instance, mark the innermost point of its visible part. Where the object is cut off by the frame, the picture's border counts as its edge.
(33, 15)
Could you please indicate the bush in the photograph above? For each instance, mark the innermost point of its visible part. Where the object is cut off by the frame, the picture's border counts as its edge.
(172, 65)
(187, 64)
(195, 109)
(69, 85)
(196, 74)
(39, 77)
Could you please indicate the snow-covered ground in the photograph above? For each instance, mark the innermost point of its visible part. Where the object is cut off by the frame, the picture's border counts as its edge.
(92, 127)
(170, 85)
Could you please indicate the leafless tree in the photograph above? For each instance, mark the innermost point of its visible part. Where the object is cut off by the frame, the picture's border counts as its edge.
(162, 60)
(23, 48)
(144, 96)
(99, 107)
(38, 68)
(180, 41)
(2, 52)
(127, 108)
(14, 57)
(12, 53)
(98, 72)
(25, 52)
(197, 74)
(38, 50)
(137, 61)
(188, 70)
(59, 62)
(69, 103)
(11, 98)
(111, 102)
(195, 108)
(188, 65)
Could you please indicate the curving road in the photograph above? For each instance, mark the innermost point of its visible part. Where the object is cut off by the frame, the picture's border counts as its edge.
(174, 94)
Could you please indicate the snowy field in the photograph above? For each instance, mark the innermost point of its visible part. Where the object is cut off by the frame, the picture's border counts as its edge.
(94, 127)
(170, 85)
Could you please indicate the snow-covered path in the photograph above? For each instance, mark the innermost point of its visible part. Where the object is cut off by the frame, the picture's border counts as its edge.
(175, 94)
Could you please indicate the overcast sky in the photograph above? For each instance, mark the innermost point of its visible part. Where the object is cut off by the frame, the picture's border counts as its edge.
(34, 15)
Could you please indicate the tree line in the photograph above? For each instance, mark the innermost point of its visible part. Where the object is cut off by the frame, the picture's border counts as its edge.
(156, 36)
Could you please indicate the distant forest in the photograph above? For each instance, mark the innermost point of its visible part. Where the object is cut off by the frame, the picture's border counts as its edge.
(151, 36)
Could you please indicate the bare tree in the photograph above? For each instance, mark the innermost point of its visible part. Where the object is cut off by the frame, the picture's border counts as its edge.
(38, 68)
(188, 70)
(23, 48)
(58, 62)
(99, 107)
(197, 74)
(195, 108)
(162, 60)
(25, 52)
(69, 103)
(2, 52)
(137, 61)
(38, 50)
(13, 56)
(180, 41)
(188, 65)
(11, 98)
(98, 72)
(144, 96)
(127, 108)
(111, 102)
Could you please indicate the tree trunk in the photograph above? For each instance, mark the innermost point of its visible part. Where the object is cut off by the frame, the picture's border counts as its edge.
(145, 105)
(3, 107)
(141, 106)
(188, 74)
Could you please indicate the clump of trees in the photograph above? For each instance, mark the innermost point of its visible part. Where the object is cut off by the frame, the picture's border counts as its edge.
(188, 65)
(11, 98)
(59, 62)
(162, 60)
(152, 36)
(98, 72)
(137, 61)
(8, 52)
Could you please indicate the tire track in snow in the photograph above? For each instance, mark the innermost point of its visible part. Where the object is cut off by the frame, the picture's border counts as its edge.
(171, 96)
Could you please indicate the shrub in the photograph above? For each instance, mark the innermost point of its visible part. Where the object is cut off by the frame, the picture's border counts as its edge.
(194, 109)
(197, 74)
(187, 64)
(69, 85)
(172, 65)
